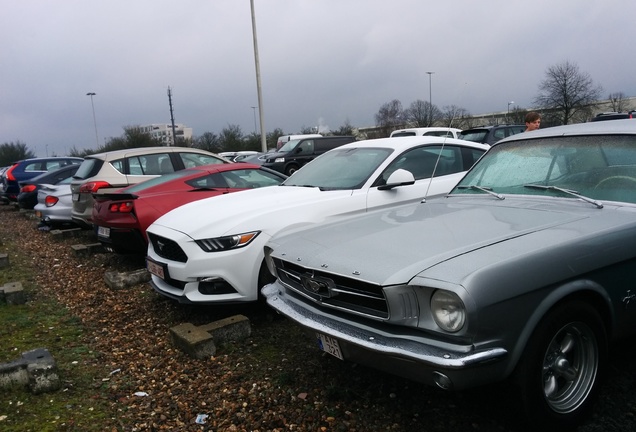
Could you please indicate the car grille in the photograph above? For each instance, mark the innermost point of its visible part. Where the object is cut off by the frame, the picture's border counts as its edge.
(167, 248)
(345, 293)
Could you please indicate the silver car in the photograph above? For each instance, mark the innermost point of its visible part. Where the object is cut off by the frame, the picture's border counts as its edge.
(524, 272)
(54, 204)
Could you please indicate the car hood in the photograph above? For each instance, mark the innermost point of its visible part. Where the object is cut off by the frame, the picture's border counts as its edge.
(267, 209)
(394, 246)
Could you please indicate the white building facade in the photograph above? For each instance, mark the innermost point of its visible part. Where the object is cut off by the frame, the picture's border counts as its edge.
(163, 132)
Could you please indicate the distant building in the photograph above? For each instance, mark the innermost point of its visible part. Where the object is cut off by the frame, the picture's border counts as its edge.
(163, 132)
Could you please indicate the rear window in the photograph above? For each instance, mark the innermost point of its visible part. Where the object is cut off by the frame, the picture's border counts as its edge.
(89, 168)
(160, 180)
(477, 135)
(196, 159)
(401, 134)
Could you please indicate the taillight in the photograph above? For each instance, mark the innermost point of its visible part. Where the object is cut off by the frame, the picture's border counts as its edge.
(9, 174)
(92, 187)
(27, 188)
(50, 200)
(121, 207)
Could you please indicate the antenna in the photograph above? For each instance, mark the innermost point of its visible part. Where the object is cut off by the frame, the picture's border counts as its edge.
(174, 134)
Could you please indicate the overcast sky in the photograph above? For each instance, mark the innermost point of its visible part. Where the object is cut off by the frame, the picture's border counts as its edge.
(322, 62)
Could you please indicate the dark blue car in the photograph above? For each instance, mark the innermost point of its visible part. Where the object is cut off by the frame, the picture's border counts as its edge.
(27, 169)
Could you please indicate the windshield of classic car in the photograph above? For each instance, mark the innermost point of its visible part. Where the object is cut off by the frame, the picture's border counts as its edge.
(346, 168)
(597, 167)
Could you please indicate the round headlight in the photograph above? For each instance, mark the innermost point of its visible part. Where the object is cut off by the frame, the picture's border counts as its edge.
(448, 310)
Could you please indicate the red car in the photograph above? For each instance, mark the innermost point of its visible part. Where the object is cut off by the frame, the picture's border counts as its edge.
(121, 218)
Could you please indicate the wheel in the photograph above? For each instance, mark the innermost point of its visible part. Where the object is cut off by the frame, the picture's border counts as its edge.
(264, 278)
(290, 169)
(560, 371)
(616, 181)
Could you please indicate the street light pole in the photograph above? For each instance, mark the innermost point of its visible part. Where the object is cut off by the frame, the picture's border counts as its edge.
(509, 103)
(255, 128)
(91, 94)
(258, 81)
(430, 99)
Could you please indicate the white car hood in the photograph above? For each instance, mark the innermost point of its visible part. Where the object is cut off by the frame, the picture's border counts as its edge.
(263, 209)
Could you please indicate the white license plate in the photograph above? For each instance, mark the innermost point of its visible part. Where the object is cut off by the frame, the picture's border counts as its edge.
(103, 231)
(75, 197)
(329, 345)
(155, 268)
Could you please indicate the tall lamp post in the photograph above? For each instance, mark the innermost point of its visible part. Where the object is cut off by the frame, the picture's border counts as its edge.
(91, 94)
(509, 103)
(430, 99)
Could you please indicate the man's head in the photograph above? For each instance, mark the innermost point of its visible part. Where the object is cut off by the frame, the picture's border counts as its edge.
(533, 121)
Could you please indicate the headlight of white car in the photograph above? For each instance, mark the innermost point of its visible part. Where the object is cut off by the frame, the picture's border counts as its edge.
(220, 244)
(448, 310)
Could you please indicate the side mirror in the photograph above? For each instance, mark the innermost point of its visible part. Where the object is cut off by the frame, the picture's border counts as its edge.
(399, 177)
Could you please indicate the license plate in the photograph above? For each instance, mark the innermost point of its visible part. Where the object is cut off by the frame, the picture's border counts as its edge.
(75, 197)
(329, 345)
(156, 268)
(103, 231)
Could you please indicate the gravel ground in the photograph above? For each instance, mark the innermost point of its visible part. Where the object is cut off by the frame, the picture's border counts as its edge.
(276, 380)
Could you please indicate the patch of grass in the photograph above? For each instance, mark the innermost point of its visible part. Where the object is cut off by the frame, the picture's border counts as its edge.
(82, 403)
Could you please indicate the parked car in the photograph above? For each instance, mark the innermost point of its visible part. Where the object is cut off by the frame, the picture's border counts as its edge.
(54, 205)
(109, 171)
(28, 196)
(26, 169)
(121, 218)
(490, 134)
(211, 251)
(427, 131)
(614, 116)
(296, 153)
(257, 159)
(522, 272)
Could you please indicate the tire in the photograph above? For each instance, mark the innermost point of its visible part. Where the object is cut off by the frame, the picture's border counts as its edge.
(560, 371)
(290, 169)
(264, 278)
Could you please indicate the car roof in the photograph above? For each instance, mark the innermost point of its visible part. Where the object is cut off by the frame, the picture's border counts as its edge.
(404, 143)
(115, 154)
(615, 127)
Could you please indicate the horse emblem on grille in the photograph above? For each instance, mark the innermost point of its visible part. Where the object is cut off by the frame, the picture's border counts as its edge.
(318, 285)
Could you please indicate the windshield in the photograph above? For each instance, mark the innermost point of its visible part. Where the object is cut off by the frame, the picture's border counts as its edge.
(477, 136)
(600, 167)
(289, 146)
(340, 168)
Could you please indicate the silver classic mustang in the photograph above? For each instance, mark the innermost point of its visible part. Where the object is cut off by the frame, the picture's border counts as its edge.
(524, 271)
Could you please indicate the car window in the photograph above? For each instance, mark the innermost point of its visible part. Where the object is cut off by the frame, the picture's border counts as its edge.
(90, 167)
(402, 134)
(601, 167)
(241, 179)
(307, 147)
(340, 168)
(427, 161)
(118, 164)
(196, 159)
(33, 166)
(151, 164)
(474, 135)
(499, 133)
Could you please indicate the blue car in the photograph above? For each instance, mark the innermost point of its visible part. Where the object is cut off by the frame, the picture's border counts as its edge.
(27, 169)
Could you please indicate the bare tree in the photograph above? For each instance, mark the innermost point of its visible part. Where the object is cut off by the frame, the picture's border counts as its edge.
(422, 114)
(454, 116)
(567, 93)
(619, 104)
(390, 116)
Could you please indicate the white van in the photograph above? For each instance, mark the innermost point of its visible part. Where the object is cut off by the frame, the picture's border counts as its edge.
(434, 131)
(283, 139)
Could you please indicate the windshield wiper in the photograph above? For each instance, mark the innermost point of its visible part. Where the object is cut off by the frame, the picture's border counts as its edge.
(573, 193)
(483, 189)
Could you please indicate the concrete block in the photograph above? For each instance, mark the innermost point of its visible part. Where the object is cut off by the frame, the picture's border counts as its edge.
(12, 293)
(192, 340)
(4, 260)
(200, 341)
(36, 370)
(233, 328)
(120, 280)
(87, 249)
(61, 234)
